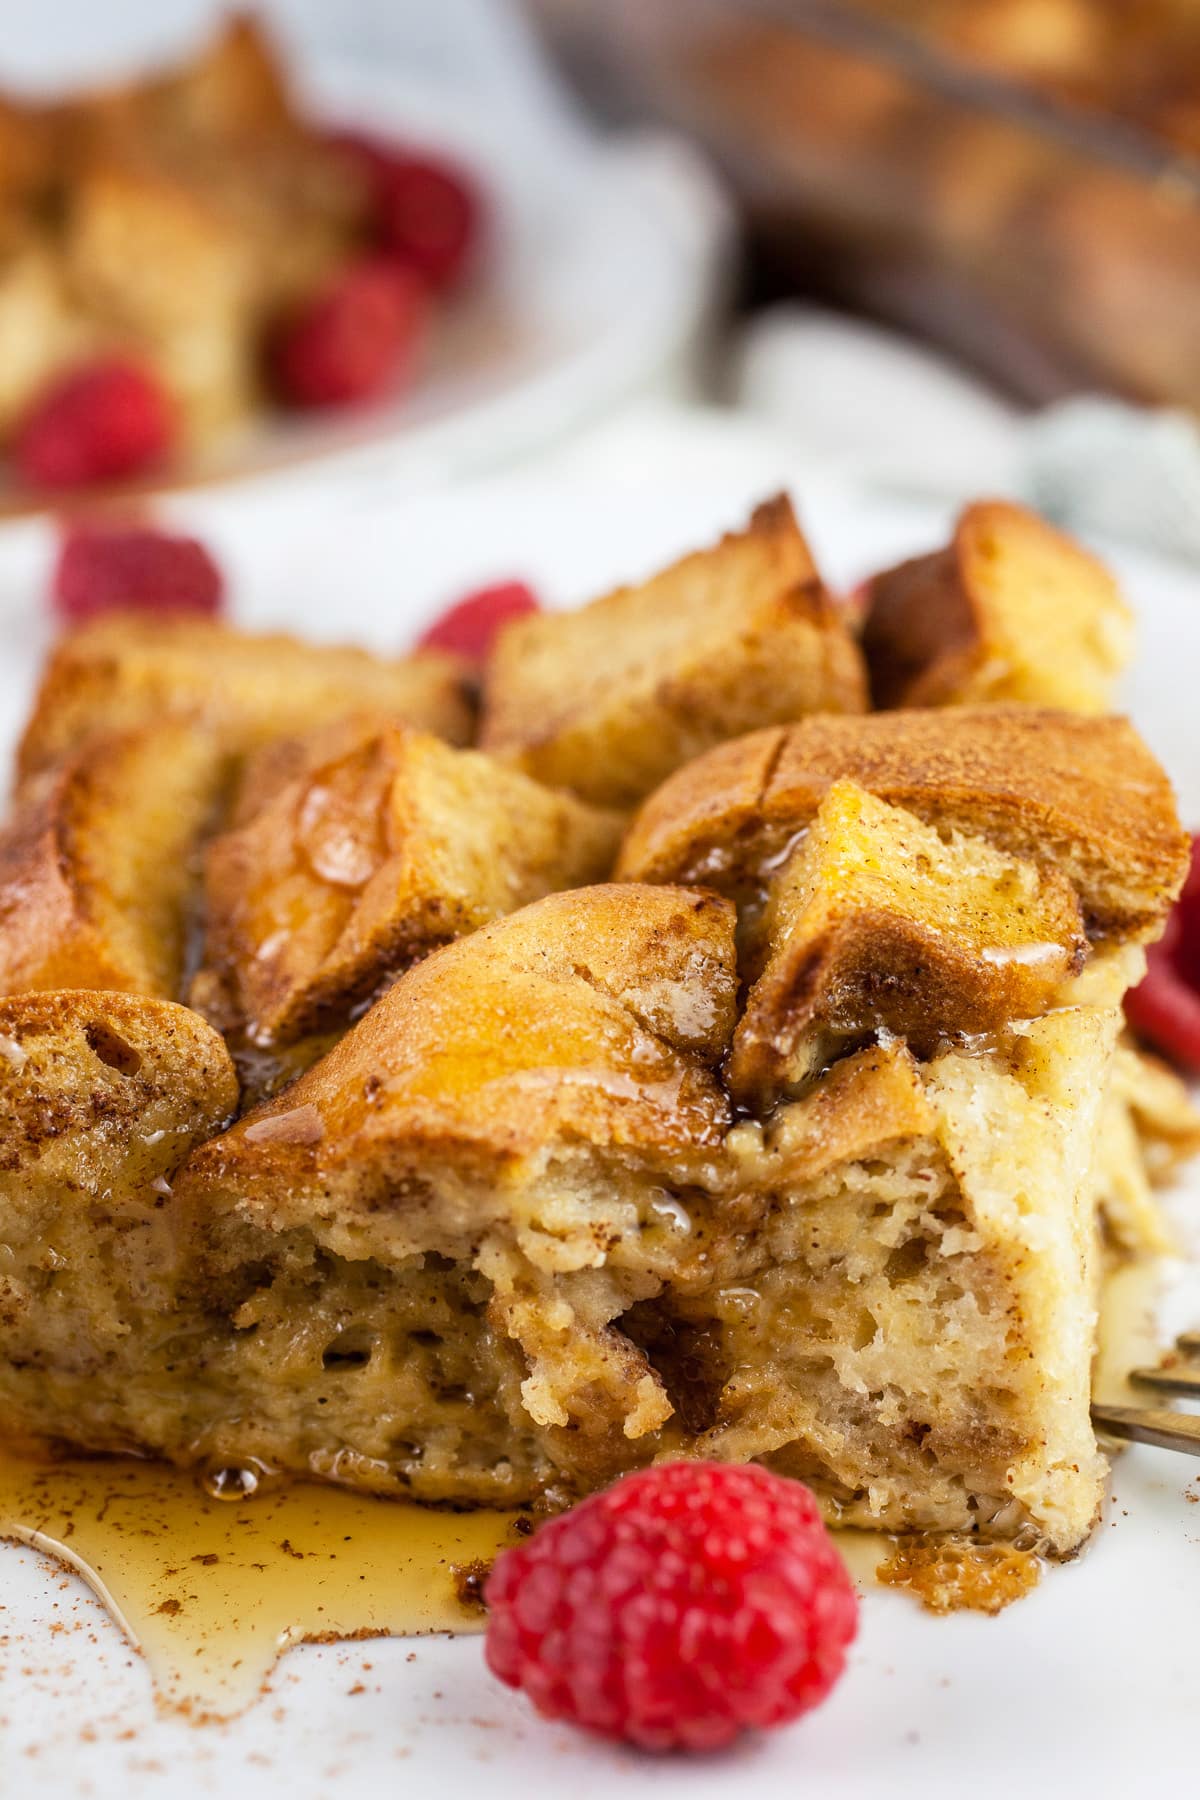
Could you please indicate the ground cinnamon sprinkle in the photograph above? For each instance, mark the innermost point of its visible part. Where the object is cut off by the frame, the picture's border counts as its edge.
(469, 1581)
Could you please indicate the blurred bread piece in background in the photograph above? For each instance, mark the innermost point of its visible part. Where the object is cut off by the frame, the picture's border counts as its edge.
(1010, 610)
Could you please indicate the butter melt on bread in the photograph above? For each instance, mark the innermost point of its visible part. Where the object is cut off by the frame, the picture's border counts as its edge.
(387, 844)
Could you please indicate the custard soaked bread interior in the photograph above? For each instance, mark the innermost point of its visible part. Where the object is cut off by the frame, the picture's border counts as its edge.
(506, 1240)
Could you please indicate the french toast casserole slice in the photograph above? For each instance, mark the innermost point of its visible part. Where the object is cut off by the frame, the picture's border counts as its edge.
(781, 1145)
(794, 1140)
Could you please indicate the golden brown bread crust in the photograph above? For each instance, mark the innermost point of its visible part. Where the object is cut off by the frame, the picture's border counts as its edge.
(1081, 795)
(1011, 610)
(126, 670)
(609, 699)
(877, 923)
(921, 636)
(387, 845)
(475, 1055)
(101, 1093)
(99, 862)
(147, 238)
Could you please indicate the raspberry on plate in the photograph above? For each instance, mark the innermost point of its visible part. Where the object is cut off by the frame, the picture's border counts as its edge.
(1164, 1008)
(426, 211)
(429, 216)
(685, 1604)
(354, 338)
(469, 627)
(98, 422)
(132, 568)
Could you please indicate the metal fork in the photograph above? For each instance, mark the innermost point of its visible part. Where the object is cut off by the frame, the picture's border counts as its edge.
(1160, 1425)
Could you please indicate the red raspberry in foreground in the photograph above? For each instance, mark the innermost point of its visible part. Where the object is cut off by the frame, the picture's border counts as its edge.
(132, 568)
(469, 627)
(685, 1604)
(97, 423)
(354, 338)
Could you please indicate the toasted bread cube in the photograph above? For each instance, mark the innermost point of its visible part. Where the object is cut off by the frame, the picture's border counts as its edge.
(608, 700)
(42, 329)
(102, 1095)
(156, 265)
(877, 922)
(126, 670)
(1084, 796)
(233, 89)
(235, 86)
(28, 158)
(385, 847)
(1011, 610)
(100, 861)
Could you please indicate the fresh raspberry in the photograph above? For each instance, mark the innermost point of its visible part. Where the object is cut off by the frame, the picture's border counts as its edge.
(426, 212)
(97, 423)
(470, 626)
(683, 1605)
(1164, 1008)
(429, 215)
(354, 338)
(132, 568)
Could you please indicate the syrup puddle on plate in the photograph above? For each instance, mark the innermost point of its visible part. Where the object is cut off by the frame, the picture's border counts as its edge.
(212, 1590)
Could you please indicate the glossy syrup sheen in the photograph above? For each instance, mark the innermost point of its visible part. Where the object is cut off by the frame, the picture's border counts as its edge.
(212, 1590)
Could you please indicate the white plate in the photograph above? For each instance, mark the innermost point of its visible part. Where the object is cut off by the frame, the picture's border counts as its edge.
(1089, 1686)
(599, 265)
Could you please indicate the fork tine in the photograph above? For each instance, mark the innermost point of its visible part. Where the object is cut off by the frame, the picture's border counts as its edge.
(1168, 1381)
(1150, 1425)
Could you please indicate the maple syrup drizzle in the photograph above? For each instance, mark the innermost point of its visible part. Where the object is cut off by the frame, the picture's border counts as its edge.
(212, 1590)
